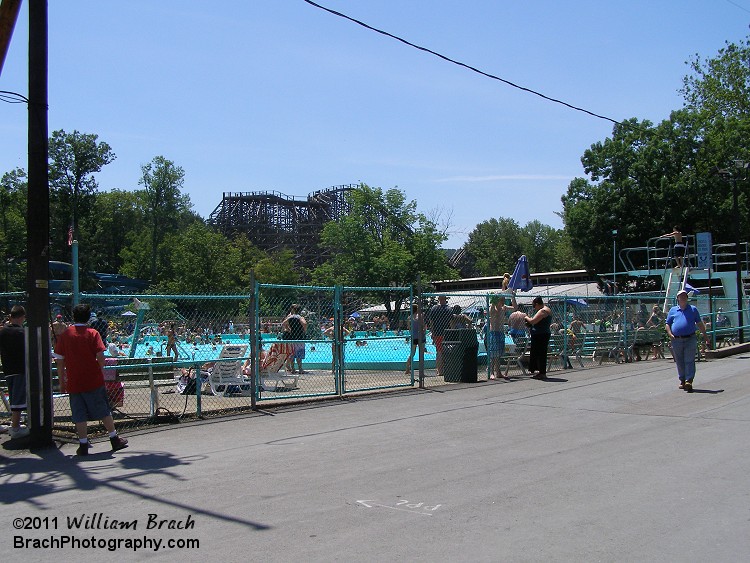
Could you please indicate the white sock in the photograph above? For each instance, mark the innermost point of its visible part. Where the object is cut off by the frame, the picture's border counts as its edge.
(83, 440)
(113, 434)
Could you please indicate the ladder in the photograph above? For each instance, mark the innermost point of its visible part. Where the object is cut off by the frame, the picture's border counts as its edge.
(677, 279)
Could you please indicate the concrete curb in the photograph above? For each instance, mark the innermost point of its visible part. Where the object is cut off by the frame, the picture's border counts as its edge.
(728, 351)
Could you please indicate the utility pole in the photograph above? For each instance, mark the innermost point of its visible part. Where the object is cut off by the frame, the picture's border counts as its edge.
(38, 366)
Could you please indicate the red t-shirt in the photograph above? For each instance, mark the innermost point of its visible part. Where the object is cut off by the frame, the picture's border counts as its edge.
(79, 345)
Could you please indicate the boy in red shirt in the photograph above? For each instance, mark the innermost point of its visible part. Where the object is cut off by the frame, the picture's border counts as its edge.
(79, 353)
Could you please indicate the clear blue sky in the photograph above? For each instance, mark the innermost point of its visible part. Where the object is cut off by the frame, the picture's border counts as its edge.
(251, 95)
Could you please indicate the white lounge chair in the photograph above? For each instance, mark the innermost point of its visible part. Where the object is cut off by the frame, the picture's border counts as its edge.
(271, 378)
(226, 377)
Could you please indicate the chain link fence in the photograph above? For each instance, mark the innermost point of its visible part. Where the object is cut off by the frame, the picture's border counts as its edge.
(172, 357)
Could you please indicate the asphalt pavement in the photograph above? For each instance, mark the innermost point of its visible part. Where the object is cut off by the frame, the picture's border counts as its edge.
(610, 463)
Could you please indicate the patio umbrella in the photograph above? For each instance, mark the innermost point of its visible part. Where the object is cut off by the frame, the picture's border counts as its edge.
(521, 278)
(577, 302)
(128, 314)
(355, 315)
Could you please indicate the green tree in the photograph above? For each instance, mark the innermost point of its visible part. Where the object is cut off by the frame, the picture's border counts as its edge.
(495, 245)
(165, 204)
(203, 262)
(646, 178)
(136, 255)
(74, 159)
(382, 242)
(13, 197)
(539, 245)
(277, 268)
(720, 86)
(566, 258)
(116, 219)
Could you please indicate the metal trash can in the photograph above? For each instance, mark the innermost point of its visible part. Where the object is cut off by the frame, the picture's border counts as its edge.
(460, 351)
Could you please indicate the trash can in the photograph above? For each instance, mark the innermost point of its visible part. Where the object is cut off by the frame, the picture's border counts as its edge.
(460, 350)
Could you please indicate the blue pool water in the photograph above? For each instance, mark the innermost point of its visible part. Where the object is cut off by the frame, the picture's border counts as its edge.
(379, 353)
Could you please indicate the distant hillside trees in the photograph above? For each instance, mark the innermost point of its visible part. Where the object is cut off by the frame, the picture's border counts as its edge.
(496, 244)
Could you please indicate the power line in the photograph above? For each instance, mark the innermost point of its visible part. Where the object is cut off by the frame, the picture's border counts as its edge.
(737, 5)
(459, 63)
(13, 97)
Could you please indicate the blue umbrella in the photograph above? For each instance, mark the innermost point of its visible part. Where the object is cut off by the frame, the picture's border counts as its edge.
(577, 302)
(521, 278)
(354, 315)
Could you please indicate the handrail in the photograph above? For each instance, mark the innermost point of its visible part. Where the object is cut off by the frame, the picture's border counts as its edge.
(659, 255)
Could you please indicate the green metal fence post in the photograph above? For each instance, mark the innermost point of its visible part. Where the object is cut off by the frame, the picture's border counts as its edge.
(338, 341)
(254, 325)
(153, 406)
(198, 390)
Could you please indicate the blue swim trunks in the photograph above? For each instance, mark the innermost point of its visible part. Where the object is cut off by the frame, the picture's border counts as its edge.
(495, 343)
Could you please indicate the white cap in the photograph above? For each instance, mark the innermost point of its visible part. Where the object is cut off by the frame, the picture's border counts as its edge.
(681, 292)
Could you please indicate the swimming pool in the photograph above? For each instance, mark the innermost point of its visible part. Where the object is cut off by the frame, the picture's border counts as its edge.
(385, 352)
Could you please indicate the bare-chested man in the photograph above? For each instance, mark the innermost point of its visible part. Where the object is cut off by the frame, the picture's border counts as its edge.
(496, 332)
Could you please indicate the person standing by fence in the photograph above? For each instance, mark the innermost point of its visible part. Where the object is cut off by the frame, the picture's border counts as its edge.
(681, 324)
(539, 327)
(172, 342)
(438, 321)
(294, 327)
(79, 354)
(496, 332)
(417, 331)
(13, 356)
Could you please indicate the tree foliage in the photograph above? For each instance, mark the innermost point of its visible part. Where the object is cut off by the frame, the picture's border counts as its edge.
(74, 158)
(13, 197)
(720, 86)
(382, 242)
(165, 205)
(116, 216)
(202, 263)
(496, 244)
(646, 178)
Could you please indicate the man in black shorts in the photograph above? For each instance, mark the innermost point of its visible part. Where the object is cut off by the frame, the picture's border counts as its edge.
(13, 357)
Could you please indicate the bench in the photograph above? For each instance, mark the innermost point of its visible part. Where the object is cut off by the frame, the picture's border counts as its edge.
(724, 336)
(606, 345)
(522, 347)
(648, 340)
(561, 348)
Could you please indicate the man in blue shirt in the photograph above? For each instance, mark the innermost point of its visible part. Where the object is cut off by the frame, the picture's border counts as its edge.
(682, 321)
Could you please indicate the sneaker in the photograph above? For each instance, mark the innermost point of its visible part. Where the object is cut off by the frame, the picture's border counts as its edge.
(682, 385)
(83, 448)
(4, 428)
(689, 386)
(118, 443)
(20, 432)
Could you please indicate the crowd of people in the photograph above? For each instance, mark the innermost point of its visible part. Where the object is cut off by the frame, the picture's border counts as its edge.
(79, 347)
